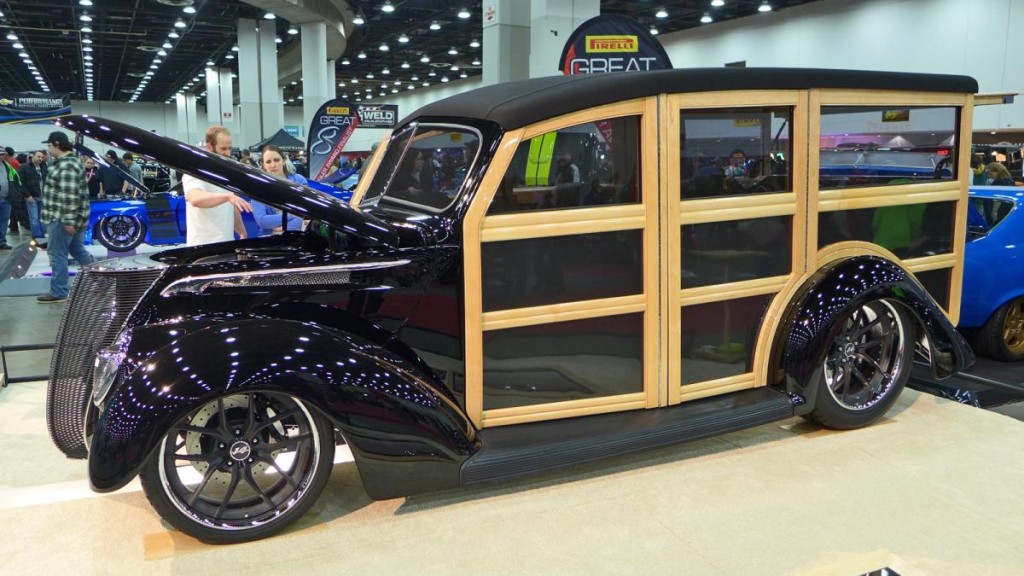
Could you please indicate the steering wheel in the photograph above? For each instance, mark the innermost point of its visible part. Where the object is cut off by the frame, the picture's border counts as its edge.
(940, 167)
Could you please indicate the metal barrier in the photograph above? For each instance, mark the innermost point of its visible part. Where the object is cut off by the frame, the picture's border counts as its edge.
(4, 378)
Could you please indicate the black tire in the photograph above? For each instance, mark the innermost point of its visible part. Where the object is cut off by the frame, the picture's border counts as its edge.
(119, 233)
(867, 365)
(240, 468)
(1002, 336)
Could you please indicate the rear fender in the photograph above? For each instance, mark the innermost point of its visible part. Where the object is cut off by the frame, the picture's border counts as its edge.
(845, 284)
(388, 410)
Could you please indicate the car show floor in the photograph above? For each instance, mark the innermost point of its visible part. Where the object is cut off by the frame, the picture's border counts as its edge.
(933, 488)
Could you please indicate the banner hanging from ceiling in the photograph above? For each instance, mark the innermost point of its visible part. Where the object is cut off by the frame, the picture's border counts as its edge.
(41, 107)
(612, 43)
(333, 125)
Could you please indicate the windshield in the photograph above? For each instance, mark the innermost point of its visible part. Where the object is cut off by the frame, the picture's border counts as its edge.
(424, 166)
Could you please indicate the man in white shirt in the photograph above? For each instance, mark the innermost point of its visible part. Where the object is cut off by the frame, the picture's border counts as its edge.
(213, 214)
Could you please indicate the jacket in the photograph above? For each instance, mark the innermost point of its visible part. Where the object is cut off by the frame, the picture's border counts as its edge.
(31, 180)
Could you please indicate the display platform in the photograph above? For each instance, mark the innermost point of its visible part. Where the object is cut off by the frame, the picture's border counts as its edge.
(991, 384)
(933, 489)
(26, 272)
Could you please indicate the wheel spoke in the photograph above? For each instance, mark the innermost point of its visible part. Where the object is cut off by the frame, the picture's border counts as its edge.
(256, 486)
(276, 419)
(196, 458)
(868, 359)
(845, 390)
(270, 461)
(866, 328)
(223, 419)
(202, 484)
(235, 477)
(198, 430)
(291, 441)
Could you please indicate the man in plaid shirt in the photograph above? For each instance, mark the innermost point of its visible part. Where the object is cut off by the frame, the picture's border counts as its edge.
(65, 213)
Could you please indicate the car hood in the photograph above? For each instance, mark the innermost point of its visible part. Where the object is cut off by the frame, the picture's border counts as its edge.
(237, 177)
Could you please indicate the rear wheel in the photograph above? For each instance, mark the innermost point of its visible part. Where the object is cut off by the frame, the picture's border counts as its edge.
(867, 366)
(240, 468)
(119, 233)
(1002, 336)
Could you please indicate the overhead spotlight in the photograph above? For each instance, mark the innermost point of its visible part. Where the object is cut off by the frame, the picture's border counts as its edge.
(362, 55)
(277, 40)
(293, 30)
(403, 39)
(453, 51)
(23, 54)
(764, 7)
(463, 13)
(85, 2)
(476, 62)
(661, 13)
(435, 26)
(210, 63)
(405, 65)
(86, 49)
(167, 46)
(189, 10)
(384, 47)
(385, 71)
(173, 34)
(431, 73)
(424, 58)
(654, 31)
(341, 84)
(425, 84)
(463, 75)
(454, 68)
(20, 46)
(358, 21)
(85, 30)
(234, 48)
(474, 43)
(355, 80)
(229, 57)
(444, 78)
(346, 62)
(12, 36)
(415, 78)
(387, 7)
(410, 87)
(85, 18)
(717, 3)
(269, 16)
(153, 66)
(706, 18)
(179, 23)
(160, 53)
(394, 90)
(369, 75)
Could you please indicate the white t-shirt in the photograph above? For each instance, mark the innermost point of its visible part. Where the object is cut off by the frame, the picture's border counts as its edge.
(207, 225)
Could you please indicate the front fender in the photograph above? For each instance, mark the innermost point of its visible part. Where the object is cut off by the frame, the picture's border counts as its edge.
(832, 292)
(386, 407)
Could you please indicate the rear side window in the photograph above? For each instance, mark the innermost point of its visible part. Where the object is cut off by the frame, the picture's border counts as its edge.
(984, 214)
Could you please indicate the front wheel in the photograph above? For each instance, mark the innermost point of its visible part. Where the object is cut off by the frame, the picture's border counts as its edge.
(1002, 336)
(867, 365)
(119, 233)
(240, 468)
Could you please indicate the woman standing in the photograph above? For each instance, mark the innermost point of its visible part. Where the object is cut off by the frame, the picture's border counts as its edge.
(92, 178)
(267, 217)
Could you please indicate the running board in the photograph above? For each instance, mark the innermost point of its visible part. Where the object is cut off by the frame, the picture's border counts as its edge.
(511, 451)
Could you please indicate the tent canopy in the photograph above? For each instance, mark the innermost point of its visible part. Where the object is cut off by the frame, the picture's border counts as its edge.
(282, 140)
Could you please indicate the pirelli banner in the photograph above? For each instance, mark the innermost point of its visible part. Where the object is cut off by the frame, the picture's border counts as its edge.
(611, 43)
(333, 125)
(22, 107)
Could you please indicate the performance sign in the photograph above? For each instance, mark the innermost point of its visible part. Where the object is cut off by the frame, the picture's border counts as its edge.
(333, 125)
(611, 43)
(22, 107)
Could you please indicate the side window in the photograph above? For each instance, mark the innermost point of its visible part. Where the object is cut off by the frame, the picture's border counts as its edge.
(735, 151)
(582, 166)
(878, 146)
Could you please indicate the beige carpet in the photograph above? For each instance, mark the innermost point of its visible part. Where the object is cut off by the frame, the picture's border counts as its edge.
(937, 488)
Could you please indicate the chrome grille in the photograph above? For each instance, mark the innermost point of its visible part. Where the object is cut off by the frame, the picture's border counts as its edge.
(101, 299)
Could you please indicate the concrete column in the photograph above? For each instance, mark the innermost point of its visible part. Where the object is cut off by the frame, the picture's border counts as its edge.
(212, 97)
(332, 80)
(551, 23)
(227, 100)
(314, 72)
(272, 104)
(506, 36)
(249, 121)
(188, 123)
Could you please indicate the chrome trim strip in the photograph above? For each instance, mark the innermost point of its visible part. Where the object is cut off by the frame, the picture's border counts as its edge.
(171, 288)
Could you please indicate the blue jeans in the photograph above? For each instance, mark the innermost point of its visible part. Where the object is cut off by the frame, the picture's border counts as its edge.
(62, 244)
(34, 209)
(5, 218)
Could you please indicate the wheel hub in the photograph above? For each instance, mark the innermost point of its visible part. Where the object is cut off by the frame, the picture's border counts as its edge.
(240, 451)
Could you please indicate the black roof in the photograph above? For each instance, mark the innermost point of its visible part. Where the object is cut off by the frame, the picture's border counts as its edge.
(516, 104)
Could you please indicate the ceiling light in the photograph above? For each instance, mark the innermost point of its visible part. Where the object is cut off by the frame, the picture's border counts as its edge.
(435, 26)
(210, 63)
(234, 48)
(463, 13)
(453, 51)
(346, 62)
(384, 47)
(341, 84)
(463, 75)
(179, 23)
(425, 84)
(431, 74)
(167, 46)
(415, 78)
(454, 68)
(173, 34)
(86, 49)
(387, 7)
(405, 65)
(476, 62)
(370, 75)
(444, 78)
(84, 41)
(20, 46)
(398, 82)
(403, 39)
(717, 3)
(474, 43)
(358, 21)
(424, 58)
(11, 36)
(410, 87)
(764, 7)
(153, 66)
(355, 80)
(229, 57)
(362, 55)
(189, 10)
(394, 90)
(277, 40)
(23, 54)
(385, 71)
(85, 18)
(269, 16)
(293, 30)
(654, 31)
(706, 18)
(661, 13)
(161, 53)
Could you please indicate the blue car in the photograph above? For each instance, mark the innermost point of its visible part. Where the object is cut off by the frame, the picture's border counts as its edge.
(992, 305)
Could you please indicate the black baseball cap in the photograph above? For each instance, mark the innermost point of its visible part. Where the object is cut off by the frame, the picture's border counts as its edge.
(57, 137)
(111, 154)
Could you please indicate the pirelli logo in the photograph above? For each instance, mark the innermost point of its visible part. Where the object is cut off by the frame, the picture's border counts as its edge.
(612, 43)
(337, 110)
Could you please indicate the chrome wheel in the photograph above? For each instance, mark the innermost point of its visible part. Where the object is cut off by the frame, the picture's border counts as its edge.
(241, 467)
(866, 356)
(120, 233)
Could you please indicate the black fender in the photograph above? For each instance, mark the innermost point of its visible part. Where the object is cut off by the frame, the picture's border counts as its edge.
(810, 321)
(406, 436)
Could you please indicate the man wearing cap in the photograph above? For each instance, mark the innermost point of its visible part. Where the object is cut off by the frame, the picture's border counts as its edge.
(112, 182)
(213, 214)
(10, 191)
(66, 214)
